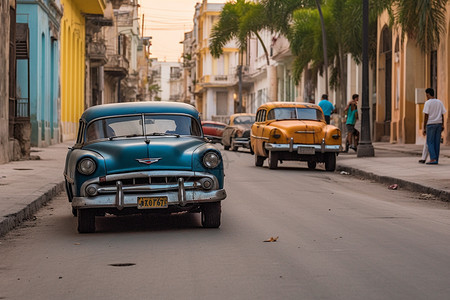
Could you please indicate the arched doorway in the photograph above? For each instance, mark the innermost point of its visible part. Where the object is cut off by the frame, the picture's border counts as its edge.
(384, 117)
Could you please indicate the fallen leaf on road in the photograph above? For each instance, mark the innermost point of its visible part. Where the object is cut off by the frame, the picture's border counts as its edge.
(393, 187)
(271, 240)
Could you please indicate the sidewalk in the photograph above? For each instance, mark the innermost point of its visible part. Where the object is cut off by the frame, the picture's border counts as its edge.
(27, 185)
(399, 164)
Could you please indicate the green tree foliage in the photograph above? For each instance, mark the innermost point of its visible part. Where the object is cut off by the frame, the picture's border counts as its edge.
(238, 20)
(422, 20)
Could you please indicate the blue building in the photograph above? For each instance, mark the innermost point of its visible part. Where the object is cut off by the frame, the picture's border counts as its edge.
(39, 81)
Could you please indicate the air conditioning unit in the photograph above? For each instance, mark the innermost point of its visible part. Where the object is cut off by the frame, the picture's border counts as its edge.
(420, 96)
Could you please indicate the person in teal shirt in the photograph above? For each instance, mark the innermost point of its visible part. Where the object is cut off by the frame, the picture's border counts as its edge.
(327, 107)
(352, 117)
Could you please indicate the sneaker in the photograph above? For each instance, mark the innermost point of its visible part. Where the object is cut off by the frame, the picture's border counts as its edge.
(422, 161)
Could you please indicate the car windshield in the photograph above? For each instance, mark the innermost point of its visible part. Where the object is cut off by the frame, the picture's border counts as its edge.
(244, 120)
(130, 126)
(296, 113)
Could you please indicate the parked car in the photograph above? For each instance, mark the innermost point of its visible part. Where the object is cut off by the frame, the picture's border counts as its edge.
(213, 130)
(237, 133)
(294, 131)
(139, 158)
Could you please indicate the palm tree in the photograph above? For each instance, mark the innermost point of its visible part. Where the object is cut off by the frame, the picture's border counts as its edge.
(238, 20)
(422, 20)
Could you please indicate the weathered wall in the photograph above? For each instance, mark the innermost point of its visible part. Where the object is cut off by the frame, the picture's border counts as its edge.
(4, 66)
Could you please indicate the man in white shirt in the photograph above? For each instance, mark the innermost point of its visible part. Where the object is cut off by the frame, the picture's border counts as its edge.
(433, 125)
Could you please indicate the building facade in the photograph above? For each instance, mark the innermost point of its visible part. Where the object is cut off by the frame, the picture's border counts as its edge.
(72, 61)
(39, 81)
(216, 83)
(404, 72)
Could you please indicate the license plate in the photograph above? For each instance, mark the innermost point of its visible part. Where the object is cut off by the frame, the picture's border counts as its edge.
(152, 202)
(306, 150)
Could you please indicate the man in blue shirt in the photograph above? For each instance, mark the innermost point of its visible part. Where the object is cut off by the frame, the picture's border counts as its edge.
(327, 107)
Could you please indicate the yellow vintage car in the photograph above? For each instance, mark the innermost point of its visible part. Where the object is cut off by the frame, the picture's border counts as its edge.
(294, 131)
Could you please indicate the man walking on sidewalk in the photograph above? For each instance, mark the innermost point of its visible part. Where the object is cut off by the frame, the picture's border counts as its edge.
(433, 125)
(327, 108)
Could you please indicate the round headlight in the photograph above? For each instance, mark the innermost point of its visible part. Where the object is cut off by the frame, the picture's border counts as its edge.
(87, 166)
(211, 160)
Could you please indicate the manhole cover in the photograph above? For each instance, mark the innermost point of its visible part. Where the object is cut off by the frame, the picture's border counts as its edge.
(122, 265)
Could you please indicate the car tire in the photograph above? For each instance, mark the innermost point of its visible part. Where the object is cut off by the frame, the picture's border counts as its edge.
(330, 162)
(226, 147)
(273, 160)
(312, 165)
(211, 214)
(259, 160)
(86, 220)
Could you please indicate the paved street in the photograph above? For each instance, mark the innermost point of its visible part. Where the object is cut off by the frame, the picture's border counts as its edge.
(339, 237)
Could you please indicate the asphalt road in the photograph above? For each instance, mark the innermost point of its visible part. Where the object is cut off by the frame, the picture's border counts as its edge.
(339, 237)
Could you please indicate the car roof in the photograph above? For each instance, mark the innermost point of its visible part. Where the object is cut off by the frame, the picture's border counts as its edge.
(118, 109)
(214, 122)
(270, 105)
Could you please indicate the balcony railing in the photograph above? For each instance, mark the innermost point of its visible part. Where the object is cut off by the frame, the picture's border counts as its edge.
(216, 79)
(117, 65)
(96, 51)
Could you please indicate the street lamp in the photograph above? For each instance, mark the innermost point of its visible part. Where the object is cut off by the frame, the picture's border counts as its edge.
(365, 147)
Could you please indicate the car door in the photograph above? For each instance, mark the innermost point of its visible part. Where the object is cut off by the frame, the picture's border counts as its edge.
(257, 132)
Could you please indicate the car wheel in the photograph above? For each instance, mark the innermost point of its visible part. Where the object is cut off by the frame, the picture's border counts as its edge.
(330, 162)
(259, 160)
(226, 147)
(312, 165)
(86, 220)
(251, 150)
(273, 160)
(211, 214)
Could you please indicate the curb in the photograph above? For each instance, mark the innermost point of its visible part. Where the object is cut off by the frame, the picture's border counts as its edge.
(10, 221)
(407, 185)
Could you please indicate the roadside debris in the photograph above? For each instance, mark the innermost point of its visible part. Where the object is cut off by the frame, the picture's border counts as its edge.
(345, 173)
(393, 187)
(271, 240)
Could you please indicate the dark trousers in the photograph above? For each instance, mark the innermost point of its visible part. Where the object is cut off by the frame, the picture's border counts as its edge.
(434, 140)
(327, 119)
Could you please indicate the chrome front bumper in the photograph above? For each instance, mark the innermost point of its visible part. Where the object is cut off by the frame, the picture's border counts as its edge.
(241, 142)
(120, 196)
(291, 147)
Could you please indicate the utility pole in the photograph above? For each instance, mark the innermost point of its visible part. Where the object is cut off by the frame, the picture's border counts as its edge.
(365, 147)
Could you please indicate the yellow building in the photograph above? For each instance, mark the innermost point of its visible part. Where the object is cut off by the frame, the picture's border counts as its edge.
(404, 72)
(216, 81)
(73, 61)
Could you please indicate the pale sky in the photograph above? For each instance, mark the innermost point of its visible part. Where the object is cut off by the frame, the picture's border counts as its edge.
(166, 21)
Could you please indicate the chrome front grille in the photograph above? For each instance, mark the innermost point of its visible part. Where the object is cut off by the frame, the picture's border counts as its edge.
(151, 182)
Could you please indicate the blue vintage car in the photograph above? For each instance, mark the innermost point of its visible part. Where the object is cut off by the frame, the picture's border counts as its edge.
(143, 157)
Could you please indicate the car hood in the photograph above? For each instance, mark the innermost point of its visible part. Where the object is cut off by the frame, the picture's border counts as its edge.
(243, 127)
(162, 153)
(307, 132)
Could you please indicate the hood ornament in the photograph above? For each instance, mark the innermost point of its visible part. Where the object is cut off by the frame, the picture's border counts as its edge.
(148, 161)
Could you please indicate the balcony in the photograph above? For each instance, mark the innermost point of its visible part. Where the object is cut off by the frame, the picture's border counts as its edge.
(117, 66)
(217, 80)
(96, 52)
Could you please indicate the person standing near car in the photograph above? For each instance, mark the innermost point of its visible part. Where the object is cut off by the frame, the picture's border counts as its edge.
(433, 125)
(327, 107)
(352, 117)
